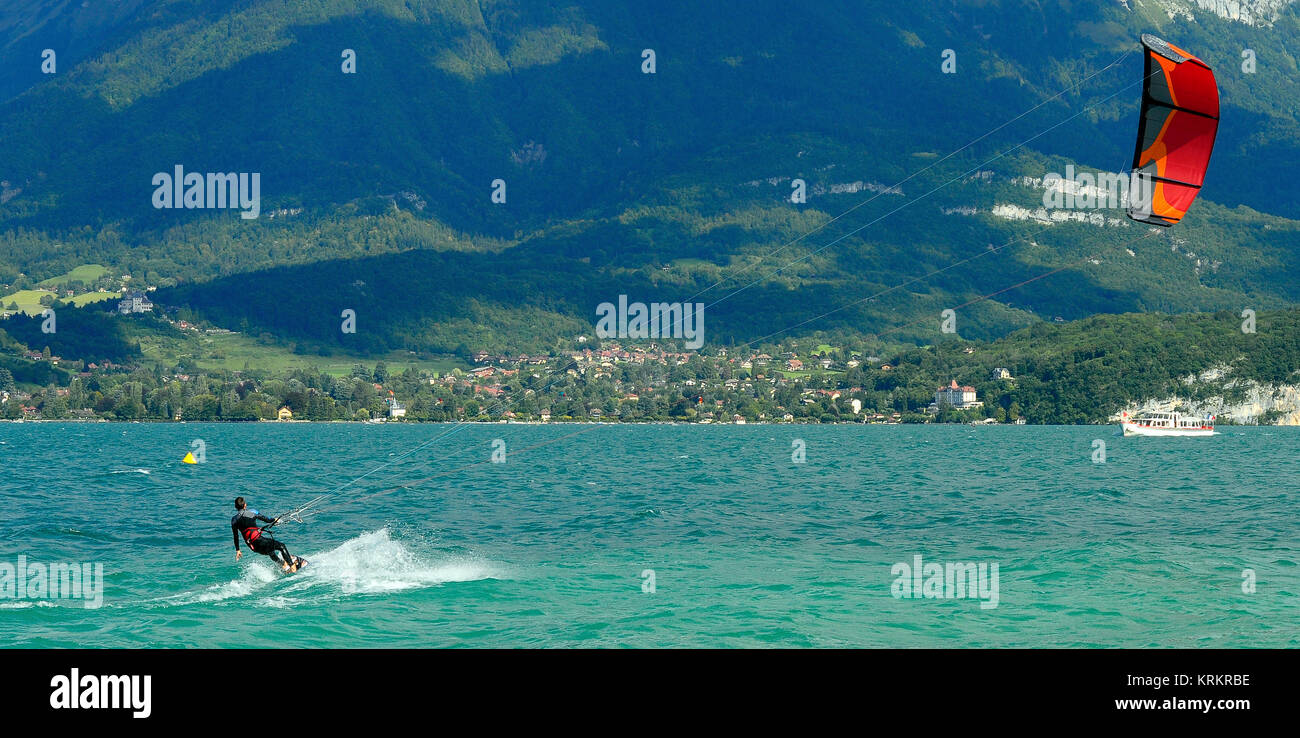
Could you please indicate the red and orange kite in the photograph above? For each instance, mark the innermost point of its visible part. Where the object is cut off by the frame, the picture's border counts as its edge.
(1180, 117)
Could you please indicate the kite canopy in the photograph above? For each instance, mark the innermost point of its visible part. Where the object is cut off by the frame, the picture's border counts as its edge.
(1180, 117)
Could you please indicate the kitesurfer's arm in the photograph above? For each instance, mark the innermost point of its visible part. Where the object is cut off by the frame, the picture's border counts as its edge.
(235, 532)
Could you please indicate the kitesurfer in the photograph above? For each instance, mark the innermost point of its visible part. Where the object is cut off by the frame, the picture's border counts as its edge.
(244, 525)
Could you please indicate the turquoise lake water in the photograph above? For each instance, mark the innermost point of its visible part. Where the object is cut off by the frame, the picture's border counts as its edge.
(747, 548)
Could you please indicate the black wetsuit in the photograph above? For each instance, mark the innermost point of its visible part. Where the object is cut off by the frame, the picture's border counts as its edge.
(244, 525)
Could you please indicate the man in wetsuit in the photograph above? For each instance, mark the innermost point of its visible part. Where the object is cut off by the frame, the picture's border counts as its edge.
(244, 525)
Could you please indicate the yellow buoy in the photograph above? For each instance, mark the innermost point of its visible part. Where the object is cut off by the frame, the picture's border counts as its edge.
(189, 459)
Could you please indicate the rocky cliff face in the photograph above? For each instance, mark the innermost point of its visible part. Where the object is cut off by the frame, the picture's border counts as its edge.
(1242, 401)
(1250, 12)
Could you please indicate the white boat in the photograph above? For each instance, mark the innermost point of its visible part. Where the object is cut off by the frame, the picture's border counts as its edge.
(1166, 424)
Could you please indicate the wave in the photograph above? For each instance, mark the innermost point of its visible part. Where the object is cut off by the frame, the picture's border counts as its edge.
(370, 563)
(252, 579)
(374, 562)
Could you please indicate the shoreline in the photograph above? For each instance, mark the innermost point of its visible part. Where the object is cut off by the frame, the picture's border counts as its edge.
(569, 422)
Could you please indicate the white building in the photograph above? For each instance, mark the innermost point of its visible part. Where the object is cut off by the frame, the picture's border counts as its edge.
(134, 302)
(1001, 373)
(396, 409)
(960, 398)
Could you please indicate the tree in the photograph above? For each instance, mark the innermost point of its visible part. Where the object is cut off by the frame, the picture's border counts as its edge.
(130, 409)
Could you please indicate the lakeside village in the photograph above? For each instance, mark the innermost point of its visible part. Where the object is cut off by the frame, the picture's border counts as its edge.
(595, 381)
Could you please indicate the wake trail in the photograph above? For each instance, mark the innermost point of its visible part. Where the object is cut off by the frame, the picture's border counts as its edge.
(372, 563)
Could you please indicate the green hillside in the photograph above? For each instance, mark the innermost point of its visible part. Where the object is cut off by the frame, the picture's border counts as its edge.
(86, 274)
(669, 185)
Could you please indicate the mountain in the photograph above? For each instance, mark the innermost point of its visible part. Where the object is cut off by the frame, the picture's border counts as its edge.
(74, 31)
(667, 186)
